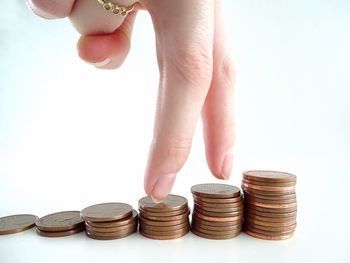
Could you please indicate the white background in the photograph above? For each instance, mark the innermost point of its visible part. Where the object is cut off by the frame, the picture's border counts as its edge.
(72, 135)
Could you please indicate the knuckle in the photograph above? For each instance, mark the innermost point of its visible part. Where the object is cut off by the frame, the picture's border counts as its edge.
(227, 68)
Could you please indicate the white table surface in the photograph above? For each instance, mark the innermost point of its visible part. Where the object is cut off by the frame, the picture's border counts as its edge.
(73, 136)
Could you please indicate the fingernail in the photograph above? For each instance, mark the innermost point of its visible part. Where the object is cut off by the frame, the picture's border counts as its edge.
(163, 187)
(227, 164)
(101, 63)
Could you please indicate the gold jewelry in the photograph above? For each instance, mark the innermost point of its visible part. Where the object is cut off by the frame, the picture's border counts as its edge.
(116, 9)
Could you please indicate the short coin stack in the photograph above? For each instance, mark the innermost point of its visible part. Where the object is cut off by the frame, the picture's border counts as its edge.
(110, 221)
(16, 223)
(166, 220)
(270, 204)
(60, 224)
(218, 211)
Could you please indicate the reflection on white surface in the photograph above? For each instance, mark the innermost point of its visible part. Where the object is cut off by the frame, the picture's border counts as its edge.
(72, 136)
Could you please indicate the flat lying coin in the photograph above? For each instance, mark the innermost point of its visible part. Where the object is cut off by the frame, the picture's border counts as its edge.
(162, 223)
(61, 221)
(217, 200)
(106, 212)
(171, 203)
(125, 234)
(158, 237)
(267, 237)
(16, 223)
(215, 190)
(217, 237)
(121, 222)
(269, 176)
(60, 233)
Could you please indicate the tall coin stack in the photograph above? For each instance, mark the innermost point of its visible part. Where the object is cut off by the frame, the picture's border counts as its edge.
(110, 221)
(166, 220)
(270, 204)
(218, 211)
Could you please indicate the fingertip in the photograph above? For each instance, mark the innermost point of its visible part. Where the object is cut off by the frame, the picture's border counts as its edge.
(162, 187)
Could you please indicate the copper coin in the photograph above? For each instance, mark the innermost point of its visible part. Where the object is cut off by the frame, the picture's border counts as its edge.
(216, 190)
(217, 219)
(277, 220)
(60, 233)
(269, 176)
(121, 222)
(271, 228)
(274, 206)
(110, 229)
(264, 183)
(161, 237)
(217, 237)
(114, 233)
(163, 223)
(216, 223)
(219, 214)
(167, 218)
(269, 214)
(290, 196)
(197, 224)
(217, 200)
(269, 201)
(16, 223)
(165, 233)
(106, 212)
(267, 193)
(124, 234)
(217, 232)
(171, 203)
(267, 237)
(269, 188)
(146, 213)
(165, 228)
(219, 206)
(270, 210)
(265, 232)
(61, 221)
(219, 210)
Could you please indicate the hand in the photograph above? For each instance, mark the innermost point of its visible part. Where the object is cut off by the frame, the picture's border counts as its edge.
(196, 76)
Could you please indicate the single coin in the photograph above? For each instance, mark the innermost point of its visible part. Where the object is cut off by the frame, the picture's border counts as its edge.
(61, 221)
(216, 190)
(106, 212)
(216, 237)
(121, 222)
(271, 228)
(276, 201)
(269, 214)
(277, 189)
(125, 234)
(283, 197)
(163, 223)
(217, 200)
(164, 228)
(265, 232)
(216, 232)
(167, 218)
(267, 237)
(219, 214)
(269, 176)
(110, 229)
(217, 219)
(275, 220)
(171, 203)
(158, 237)
(270, 210)
(274, 206)
(264, 183)
(16, 223)
(197, 224)
(165, 233)
(219, 206)
(112, 234)
(59, 233)
(146, 213)
(216, 223)
(220, 210)
(273, 194)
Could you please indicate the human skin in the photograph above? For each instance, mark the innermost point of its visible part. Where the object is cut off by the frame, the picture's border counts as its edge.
(196, 76)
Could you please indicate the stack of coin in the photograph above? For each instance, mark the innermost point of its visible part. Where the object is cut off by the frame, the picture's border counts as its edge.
(166, 220)
(218, 211)
(60, 224)
(270, 204)
(16, 223)
(110, 221)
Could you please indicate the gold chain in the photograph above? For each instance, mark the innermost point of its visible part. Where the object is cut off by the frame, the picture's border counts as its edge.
(116, 9)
